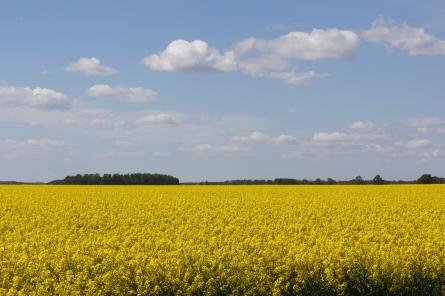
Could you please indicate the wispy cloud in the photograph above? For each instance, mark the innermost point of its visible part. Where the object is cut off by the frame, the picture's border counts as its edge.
(412, 40)
(129, 94)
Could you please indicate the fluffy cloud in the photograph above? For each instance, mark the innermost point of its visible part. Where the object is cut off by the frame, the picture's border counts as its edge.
(412, 40)
(130, 94)
(286, 139)
(191, 56)
(38, 98)
(318, 44)
(257, 57)
(91, 67)
(271, 58)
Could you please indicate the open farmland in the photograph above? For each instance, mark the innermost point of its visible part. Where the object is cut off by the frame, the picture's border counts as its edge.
(222, 240)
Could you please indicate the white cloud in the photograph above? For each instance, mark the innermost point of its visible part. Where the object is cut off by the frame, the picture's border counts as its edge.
(92, 119)
(414, 41)
(423, 149)
(363, 139)
(286, 139)
(91, 67)
(418, 143)
(107, 121)
(157, 118)
(37, 98)
(255, 136)
(428, 155)
(191, 56)
(207, 148)
(361, 125)
(232, 148)
(423, 129)
(271, 58)
(257, 57)
(326, 137)
(276, 68)
(243, 143)
(296, 78)
(318, 44)
(10, 148)
(260, 66)
(342, 141)
(130, 94)
(244, 46)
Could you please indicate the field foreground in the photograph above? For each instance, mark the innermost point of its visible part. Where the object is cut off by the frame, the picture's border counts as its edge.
(222, 240)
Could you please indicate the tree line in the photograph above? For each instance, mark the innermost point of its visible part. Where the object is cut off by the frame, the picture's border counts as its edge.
(118, 179)
(377, 180)
(160, 179)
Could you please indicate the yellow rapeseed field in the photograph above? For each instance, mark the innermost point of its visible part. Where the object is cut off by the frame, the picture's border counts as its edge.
(222, 240)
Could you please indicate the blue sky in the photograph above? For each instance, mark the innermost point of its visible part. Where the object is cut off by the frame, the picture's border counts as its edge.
(222, 90)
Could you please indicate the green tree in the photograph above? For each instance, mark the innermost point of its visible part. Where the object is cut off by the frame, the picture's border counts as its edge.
(358, 180)
(425, 179)
(318, 181)
(331, 181)
(377, 180)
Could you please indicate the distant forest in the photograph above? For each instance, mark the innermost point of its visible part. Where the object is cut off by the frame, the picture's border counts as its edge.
(118, 179)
